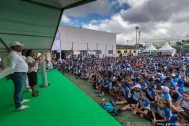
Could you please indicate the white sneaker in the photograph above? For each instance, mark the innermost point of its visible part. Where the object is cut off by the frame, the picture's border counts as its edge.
(28, 90)
(25, 100)
(22, 108)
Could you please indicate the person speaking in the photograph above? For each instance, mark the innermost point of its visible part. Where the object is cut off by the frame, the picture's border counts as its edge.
(32, 71)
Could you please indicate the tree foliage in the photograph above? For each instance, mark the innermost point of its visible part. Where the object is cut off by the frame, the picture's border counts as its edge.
(140, 45)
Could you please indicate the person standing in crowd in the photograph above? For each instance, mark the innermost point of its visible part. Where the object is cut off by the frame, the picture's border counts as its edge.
(32, 71)
(49, 65)
(27, 82)
(16, 61)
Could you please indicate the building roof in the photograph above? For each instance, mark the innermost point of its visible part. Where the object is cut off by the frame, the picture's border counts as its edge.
(32, 22)
(119, 46)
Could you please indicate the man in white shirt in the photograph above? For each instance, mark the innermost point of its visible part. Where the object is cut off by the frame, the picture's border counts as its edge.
(16, 61)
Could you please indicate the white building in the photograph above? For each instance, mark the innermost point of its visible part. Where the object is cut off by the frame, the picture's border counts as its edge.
(76, 40)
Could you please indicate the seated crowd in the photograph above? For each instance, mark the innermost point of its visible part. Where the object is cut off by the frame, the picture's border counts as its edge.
(138, 83)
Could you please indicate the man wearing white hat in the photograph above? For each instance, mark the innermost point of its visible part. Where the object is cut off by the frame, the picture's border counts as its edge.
(16, 61)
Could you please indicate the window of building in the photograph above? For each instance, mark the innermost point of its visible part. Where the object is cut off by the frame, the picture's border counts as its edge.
(134, 51)
(125, 51)
(83, 52)
(110, 51)
(118, 51)
(98, 51)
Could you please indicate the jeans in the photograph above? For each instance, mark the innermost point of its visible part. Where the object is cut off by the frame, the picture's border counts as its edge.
(19, 80)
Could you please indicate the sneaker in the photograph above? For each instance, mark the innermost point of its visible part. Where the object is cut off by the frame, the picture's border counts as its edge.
(101, 95)
(25, 100)
(113, 102)
(97, 91)
(132, 110)
(129, 108)
(22, 107)
(28, 90)
(141, 115)
(120, 110)
(117, 99)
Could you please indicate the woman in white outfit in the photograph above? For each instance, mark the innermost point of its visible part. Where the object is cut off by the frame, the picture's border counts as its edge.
(27, 82)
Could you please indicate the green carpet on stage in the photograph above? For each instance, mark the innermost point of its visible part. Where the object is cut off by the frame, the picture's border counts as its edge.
(60, 104)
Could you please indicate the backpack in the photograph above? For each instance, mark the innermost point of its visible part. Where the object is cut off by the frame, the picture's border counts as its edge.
(108, 107)
(114, 112)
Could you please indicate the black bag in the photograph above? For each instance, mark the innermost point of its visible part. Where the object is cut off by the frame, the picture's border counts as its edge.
(114, 112)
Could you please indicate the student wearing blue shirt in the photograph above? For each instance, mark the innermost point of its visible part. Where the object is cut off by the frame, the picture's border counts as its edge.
(170, 84)
(157, 86)
(158, 77)
(173, 78)
(98, 82)
(165, 94)
(115, 89)
(184, 99)
(142, 84)
(132, 100)
(124, 93)
(163, 113)
(142, 106)
(179, 90)
(150, 94)
(181, 119)
(107, 87)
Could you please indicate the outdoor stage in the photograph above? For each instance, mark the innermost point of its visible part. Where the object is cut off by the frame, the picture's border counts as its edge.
(60, 104)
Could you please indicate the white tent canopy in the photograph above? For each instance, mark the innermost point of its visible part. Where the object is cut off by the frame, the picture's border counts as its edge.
(150, 48)
(166, 48)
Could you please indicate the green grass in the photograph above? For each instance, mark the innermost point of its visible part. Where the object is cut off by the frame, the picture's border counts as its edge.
(60, 104)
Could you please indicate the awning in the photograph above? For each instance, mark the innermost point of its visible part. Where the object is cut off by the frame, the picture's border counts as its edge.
(32, 22)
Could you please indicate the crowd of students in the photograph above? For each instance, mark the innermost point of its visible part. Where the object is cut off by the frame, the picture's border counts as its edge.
(140, 82)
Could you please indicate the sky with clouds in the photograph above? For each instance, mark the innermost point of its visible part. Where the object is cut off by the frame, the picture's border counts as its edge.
(158, 20)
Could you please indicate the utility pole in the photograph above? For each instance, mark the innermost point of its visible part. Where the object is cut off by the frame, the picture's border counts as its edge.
(138, 42)
(136, 37)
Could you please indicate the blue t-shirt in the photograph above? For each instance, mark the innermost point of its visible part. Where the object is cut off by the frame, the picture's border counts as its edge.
(151, 92)
(169, 85)
(102, 81)
(118, 87)
(127, 92)
(175, 80)
(109, 86)
(142, 84)
(145, 103)
(159, 78)
(165, 112)
(173, 121)
(136, 94)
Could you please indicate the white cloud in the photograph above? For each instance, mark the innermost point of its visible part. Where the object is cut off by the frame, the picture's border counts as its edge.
(93, 22)
(158, 20)
(65, 19)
